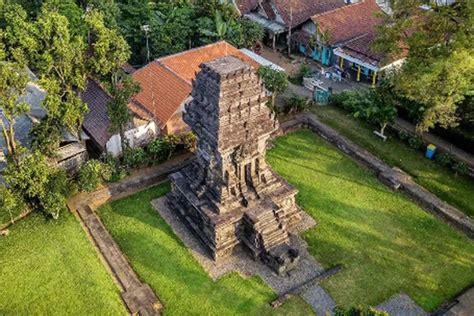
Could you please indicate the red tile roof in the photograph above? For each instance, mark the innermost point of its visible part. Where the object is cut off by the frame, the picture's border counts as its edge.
(162, 91)
(245, 6)
(186, 64)
(302, 10)
(166, 82)
(350, 21)
(96, 121)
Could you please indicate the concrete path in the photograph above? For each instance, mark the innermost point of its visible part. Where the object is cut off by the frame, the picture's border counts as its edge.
(320, 300)
(138, 297)
(401, 305)
(444, 145)
(463, 305)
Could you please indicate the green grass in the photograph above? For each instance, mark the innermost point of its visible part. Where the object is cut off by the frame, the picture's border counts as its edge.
(456, 190)
(162, 261)
(385, 242)
(51, 268)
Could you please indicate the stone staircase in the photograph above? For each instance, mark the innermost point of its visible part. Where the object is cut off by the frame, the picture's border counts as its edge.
(264, 230)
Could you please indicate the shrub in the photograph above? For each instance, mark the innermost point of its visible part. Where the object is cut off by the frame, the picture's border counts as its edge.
(461, 168)
(93, 173)
(444, 159)
(304, 71)
(43, 187)
(134, 157)
(11, 205)
(296, 104)
(118, 171)
(403, 135)
(189, 141)
(160, 150)
(415, 142)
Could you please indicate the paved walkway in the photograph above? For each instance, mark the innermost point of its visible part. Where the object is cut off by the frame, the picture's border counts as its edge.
(137, 296)
(401, 305)
(463, 305)
(444, 145)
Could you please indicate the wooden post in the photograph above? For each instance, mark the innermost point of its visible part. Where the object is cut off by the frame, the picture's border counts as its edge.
(341, 63)
(274, 42)
(358, 72)
(374, 78)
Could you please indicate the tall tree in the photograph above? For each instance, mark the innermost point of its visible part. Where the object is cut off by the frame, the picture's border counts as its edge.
(108, 49)
(438, 72)
(13, 82)
(275, 81)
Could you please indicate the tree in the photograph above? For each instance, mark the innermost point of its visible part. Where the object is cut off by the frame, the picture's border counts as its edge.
(40, 185)
(10, 203)
(108, 49)
(13, 83)
(438, 72)
(172, 28)
(122, 91)
(275, 81)
(253, 32)
(60, 64)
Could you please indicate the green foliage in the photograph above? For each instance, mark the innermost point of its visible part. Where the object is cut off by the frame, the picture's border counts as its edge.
(123, 88)
(415, 142)
(108, 48)
(253, 32)
(275, 81)
(46, 137)
(13, 82)
(42, 186)
(438, 72)
(93, 173)
(159, 150)
(358, 311)
(296, 104)
(118, 171)
(11, 205)
(461, 168)
(376, 105)
(134, 157)
(444, 159)
(303, 71)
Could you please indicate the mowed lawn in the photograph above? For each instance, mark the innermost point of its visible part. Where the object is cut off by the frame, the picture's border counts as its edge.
(182, 285)
(457, 190)
(386, 243)
(51, 268)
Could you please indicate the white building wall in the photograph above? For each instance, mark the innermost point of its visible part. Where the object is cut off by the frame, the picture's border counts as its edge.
(136, 137)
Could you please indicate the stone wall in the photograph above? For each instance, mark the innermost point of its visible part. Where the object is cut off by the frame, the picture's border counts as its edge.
(394, 178)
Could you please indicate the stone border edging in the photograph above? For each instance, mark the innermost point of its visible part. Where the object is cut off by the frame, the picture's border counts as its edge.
(137, 296)
(394, 178)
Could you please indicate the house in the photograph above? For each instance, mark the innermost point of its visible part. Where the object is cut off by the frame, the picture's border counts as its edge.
(343, 37)
(279, 17)
(166, 84)
(71, 152)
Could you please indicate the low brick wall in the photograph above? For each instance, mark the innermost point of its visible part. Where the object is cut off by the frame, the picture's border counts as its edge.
(394, 178)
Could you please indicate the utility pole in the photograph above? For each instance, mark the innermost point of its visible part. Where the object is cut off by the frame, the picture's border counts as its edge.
(289, 28)
(146, 29)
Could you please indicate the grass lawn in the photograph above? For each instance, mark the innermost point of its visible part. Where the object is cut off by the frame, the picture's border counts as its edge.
(51, 268)
(385, 243)
(456, 190)
(162, 261)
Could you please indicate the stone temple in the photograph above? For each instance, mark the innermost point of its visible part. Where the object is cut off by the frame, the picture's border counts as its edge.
(228, 195)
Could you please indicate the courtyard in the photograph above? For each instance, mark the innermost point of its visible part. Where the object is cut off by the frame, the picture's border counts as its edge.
(385, 243)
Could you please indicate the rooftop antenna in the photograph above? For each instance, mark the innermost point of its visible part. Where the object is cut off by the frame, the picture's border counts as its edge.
(146, 29)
